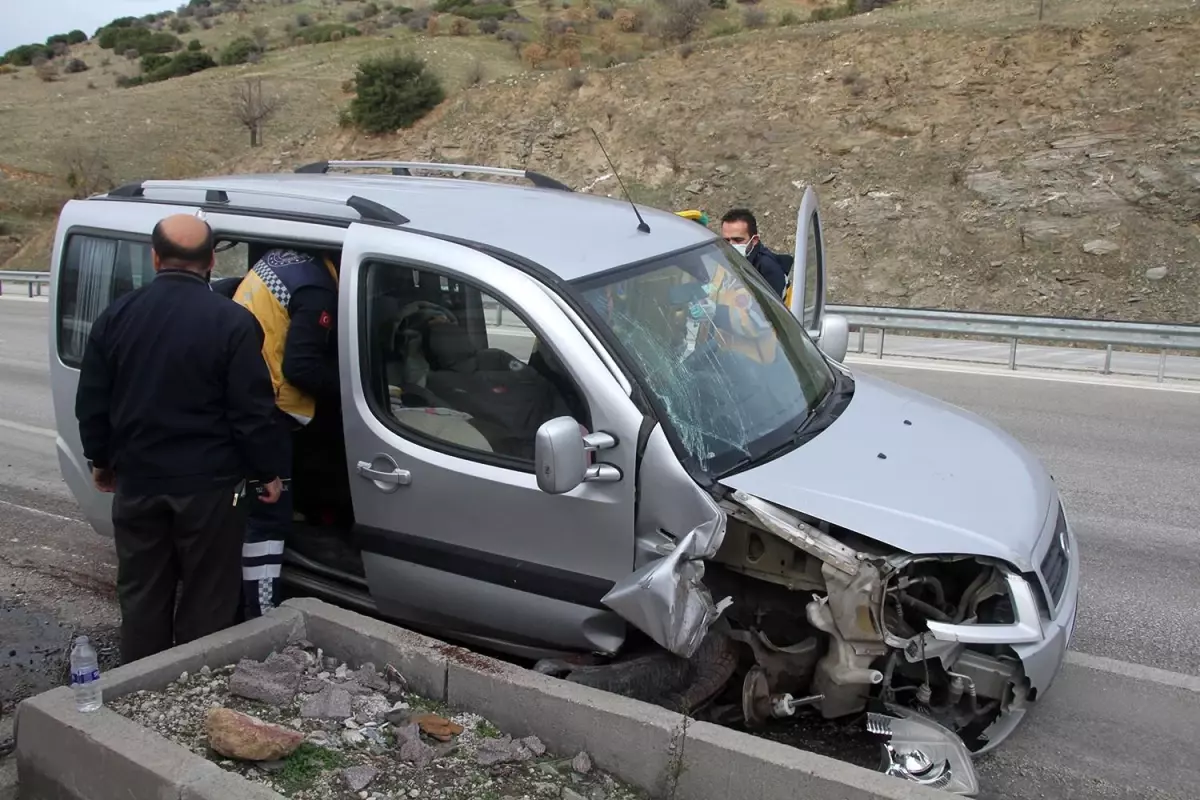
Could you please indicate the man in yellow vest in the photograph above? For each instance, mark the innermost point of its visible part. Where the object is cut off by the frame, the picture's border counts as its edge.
(293, 295)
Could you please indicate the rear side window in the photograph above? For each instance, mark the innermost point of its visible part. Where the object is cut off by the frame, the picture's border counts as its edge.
(95, 271)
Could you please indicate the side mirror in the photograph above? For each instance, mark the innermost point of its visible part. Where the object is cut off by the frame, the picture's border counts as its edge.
(835, 336)
(560, 456)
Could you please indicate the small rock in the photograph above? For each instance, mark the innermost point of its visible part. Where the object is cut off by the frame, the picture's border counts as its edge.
(570, 794)
(407, 733)
(368, 677)
(582, 763)
(312, 686)
(437, 727)
(272, 766)
(241, 736)
(372, 708)
(1100, 247)
(416, 752)
(1156, 273)
(342, 672)
(535, 745)
(353, 738)
(205, 671)
(359, 778)
(501, 751)
(597, 794)
(319, 738)
(332, 703)
(273, 682)
(183, 678)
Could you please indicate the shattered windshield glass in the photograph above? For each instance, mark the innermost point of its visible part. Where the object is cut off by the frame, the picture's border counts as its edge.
(731, 368)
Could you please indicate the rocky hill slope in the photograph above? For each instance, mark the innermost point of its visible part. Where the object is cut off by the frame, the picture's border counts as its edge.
(1047, 169)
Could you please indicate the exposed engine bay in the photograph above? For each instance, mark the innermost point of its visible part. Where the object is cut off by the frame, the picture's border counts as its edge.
(819, 620)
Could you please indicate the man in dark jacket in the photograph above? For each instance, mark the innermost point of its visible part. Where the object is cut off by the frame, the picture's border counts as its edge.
(740, 229)
(175, 410)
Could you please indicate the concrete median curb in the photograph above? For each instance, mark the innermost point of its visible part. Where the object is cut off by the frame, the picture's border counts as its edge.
(66, 755)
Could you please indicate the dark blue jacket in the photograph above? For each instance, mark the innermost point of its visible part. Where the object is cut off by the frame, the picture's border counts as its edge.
(174, 395)
(768, 265)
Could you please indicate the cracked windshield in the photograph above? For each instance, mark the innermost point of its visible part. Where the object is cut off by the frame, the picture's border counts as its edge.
(733, 371)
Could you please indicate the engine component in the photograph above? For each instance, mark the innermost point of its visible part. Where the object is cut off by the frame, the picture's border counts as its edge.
(991, 676)
(759, 705)
(922, 751)
(788, 669)
(842, 673)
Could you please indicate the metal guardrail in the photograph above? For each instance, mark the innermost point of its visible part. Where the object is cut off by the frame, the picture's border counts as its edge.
(1109, 334)
(34, 280)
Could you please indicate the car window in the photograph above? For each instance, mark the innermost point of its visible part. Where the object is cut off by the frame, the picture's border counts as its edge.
(453, 366)
(95, 271)
(812, 272)
(232, 260)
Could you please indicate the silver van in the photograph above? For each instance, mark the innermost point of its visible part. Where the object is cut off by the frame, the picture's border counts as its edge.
(586, 432)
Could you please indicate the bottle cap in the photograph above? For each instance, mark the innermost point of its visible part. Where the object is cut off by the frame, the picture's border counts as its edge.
(81, 640)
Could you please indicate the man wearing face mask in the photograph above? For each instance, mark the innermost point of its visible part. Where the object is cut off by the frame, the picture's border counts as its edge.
(740, 229)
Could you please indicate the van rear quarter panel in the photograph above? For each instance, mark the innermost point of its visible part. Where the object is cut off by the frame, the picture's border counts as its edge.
(109, 219)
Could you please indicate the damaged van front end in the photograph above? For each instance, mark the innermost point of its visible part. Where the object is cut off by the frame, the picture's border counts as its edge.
(776, 610)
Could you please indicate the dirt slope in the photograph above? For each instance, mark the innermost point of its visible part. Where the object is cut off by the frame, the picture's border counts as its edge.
(1047, 169)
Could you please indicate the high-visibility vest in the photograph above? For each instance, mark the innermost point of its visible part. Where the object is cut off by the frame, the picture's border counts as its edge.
(267, 292)
(749, 332)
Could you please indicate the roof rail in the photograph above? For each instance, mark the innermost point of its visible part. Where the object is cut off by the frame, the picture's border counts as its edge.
(403, 168)
(369, 210)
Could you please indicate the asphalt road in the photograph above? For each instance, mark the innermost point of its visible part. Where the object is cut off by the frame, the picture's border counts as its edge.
(1122, 721)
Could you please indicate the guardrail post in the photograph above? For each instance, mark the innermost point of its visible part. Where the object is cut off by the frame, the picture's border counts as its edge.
(30, 284)
(862, 339)
(882, 331)
(1162, 366)
(1012, 355)
(1107, 360)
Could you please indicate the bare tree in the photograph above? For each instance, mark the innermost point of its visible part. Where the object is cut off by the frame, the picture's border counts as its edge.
(252, 108)
(85, 169)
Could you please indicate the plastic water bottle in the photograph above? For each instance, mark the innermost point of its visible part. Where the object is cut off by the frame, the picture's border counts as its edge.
(85, 676)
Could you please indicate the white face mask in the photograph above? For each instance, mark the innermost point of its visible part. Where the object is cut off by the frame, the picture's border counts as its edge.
(741, 248)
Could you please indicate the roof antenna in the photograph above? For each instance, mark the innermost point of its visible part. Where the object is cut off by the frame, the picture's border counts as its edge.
(642, 226)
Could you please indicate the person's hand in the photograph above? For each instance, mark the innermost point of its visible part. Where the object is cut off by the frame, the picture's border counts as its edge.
(271, 491)
(701, 309)
(105, 480)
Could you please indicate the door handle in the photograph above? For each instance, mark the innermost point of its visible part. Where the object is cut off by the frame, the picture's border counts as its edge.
(396, 477)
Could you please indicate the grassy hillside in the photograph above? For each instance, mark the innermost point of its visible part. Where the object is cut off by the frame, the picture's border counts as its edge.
(967, 155)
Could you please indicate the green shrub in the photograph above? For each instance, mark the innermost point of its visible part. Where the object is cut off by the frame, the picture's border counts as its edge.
(140, 39)
(153, 61)
(126, 81)
(494, 11)
(182, 64)
(26, 54)
(75, 65)
(194, 46)
(448, 6)
(318, 34)
(76, 37)
(847, 9)
(240, 51)
(393, 92)
(58, 38)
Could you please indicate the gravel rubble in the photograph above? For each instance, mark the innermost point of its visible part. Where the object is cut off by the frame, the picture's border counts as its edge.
(366, 737)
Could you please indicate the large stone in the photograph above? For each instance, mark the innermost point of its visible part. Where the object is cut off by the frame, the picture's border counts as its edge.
(1100, 247)
(273, 682)
(502, 751)
(1156, 273)
(359, 778)
(368, 678)
(332, 703)
(236, 735)
(438, 727)
(416, 752)
(371, 708)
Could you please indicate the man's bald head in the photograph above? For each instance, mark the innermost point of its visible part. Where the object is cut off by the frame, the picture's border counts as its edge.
(182, 241)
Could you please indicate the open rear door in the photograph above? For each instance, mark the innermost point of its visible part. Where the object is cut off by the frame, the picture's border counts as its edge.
(805, 295)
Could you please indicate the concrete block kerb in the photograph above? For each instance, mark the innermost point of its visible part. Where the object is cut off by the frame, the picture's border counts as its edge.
(65, 755)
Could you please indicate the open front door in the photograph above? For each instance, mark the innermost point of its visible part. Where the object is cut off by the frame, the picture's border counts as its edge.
(451, 363)
(805, 295)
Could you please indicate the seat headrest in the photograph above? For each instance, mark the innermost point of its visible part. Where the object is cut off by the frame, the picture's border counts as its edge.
(451, 345)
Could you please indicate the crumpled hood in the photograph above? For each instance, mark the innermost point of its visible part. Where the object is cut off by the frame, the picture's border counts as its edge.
(915, 473)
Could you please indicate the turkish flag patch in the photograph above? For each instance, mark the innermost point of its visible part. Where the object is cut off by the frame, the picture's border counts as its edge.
(325, 320)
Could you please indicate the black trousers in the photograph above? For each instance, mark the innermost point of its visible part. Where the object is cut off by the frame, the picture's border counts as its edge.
(178, 559)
